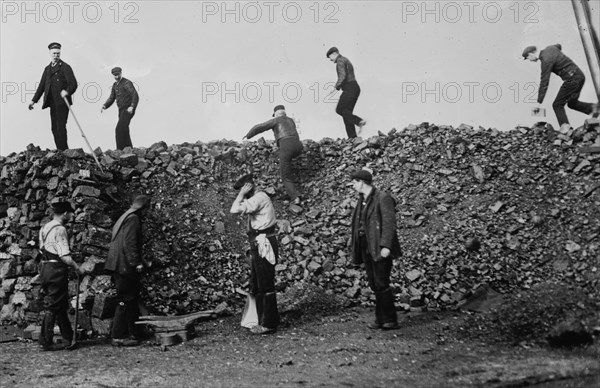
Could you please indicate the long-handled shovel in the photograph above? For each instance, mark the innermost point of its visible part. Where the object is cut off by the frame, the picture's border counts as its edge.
(74, 340)
(82, 133)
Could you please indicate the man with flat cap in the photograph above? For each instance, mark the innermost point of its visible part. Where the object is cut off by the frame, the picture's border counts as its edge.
(375, 244)
(56, 260)
(554, 61)
(58, 81)
(290, 147)
(262, 235)
(127, 100)
(125, 260)
(350, 91)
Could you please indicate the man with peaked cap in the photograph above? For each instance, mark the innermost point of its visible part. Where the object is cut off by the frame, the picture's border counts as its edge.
(375, 244)
(58, 81)
(54, 246)
(262, 235)
(554, 61)
(290, 147)
(350, 91)
(126, 262)
(127, 100)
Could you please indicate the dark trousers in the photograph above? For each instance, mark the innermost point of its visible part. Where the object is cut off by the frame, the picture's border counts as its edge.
(127, 311)
(378, 276)
(59, 113)
(345, 107)
(122, 130)
(569, 95)
(55, 292)
(262, 286)
(289, 148)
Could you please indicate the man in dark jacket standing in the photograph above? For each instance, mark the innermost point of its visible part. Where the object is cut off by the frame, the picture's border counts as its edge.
(554, 61)
(290, 147)
(375, 244)
(350, 92)
(58, 81)
(127, 100)
(126, 262)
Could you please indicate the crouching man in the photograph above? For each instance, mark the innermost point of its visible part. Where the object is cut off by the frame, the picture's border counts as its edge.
(375, 244)
(262, 231)
(126, 262)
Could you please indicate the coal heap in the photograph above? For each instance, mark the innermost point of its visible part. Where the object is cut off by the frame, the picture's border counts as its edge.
(475, 206)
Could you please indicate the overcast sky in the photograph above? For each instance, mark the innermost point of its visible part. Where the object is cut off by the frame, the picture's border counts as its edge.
(211, 70)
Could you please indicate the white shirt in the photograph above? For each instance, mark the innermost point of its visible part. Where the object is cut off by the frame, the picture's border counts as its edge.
(57, 241)
(259, 208)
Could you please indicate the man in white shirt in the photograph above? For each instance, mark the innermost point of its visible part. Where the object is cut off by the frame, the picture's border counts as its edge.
(54, 245)
(262, 235)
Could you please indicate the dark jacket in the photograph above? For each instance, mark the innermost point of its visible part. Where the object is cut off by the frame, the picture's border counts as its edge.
(345, 72)
(282, 127)
(125, 94)
(54, 79)
(125, 251)
(554, 61)
(380, 226)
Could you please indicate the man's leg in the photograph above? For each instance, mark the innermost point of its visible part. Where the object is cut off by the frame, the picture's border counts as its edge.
(574, 103)
(289, 148)
(381, 273)
(60, 136)
(66, 331)
(345, 107)
(126, 298)
(122, 135)
(266, 300)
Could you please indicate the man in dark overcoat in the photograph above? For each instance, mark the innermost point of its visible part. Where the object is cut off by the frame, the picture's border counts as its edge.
(126, 262)
(375, 244)
(57, 82)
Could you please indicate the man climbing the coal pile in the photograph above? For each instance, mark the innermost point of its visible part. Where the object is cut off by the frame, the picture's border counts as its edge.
(54, 245)
(290, 147)
(125, 261)
(350, 91)
(554, 61)
(262, 235)
(374, 244)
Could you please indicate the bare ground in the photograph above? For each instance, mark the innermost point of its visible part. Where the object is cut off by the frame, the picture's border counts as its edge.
(333, 351)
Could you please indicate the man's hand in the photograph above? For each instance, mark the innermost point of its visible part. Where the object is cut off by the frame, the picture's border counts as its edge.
(246, 188)
(130, 110)
(245, 137)
(31, 104)
(64, 93)
(102, 110)
(385, 252)
(139, 268)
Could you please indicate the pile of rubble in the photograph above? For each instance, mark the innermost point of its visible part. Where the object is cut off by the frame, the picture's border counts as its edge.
(475, 206)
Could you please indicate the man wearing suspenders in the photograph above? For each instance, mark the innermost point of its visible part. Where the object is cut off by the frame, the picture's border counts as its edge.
(54, 245)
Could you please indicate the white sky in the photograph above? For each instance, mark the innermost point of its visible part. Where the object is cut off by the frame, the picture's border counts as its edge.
(185, 55)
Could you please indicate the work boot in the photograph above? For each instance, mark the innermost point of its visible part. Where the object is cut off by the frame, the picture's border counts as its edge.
(46, 338)
(389, 317)
(565, 128)
(258, 329)
(270, 314)
(53, 347)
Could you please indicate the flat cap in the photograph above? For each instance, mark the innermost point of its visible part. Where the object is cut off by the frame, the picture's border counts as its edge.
(248, 178)
(61, 205)
(54, 45)
(528, 50)
(332, 50)
(278, 107)
(116, 70)
(362, 175)
(141, 202)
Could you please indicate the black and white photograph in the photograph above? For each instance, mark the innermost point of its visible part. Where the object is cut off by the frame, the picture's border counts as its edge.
(309, 193)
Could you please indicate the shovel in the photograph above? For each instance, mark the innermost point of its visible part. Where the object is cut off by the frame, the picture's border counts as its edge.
(82, 134)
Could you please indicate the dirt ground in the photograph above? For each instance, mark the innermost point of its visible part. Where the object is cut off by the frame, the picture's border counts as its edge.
(333, 351)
